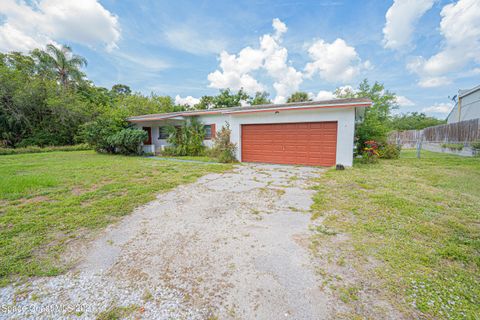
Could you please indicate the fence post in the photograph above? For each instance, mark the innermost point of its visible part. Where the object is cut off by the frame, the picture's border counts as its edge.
(419, 146)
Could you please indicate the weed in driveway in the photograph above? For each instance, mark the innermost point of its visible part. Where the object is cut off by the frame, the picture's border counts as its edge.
(147, 296)
(348, 293)
(117, 312)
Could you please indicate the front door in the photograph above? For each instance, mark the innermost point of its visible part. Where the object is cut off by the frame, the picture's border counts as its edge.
(149, 138)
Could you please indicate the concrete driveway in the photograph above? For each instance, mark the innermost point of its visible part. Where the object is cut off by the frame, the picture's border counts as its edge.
(230, 246)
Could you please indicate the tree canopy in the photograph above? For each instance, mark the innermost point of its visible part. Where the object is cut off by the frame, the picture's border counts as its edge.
(61, 64)
(413, 121)
(299, 96)
(225, 99)
(46, 99)
(375, 125)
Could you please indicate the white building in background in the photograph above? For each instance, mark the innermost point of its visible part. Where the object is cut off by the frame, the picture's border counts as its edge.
(467, 106)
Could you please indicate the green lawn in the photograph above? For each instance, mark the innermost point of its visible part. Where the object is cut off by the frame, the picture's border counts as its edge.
(421, 219)
(48, 199)
(191, 158)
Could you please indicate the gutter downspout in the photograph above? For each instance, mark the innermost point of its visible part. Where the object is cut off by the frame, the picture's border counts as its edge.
(459, 108)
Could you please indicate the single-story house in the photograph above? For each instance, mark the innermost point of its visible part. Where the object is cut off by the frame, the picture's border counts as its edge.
(304, 133)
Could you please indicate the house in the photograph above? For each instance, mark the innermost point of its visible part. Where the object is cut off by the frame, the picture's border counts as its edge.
(304, 133)
(467, 106)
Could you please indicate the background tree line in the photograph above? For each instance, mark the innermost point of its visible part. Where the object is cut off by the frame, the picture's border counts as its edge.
(47, 100)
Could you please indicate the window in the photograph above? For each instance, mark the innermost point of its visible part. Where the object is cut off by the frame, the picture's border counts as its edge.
(208, 131)
(162, 133)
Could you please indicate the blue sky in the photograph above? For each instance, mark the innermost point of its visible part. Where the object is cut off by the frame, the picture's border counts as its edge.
(423, 50)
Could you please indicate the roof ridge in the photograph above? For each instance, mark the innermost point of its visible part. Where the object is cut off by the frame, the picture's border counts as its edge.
(331, 102)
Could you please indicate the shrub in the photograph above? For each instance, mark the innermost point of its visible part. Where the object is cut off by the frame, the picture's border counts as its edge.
(453, 146)
(36, 149)
(223, 149)
(128, 141)
(98, 132)
(42, 139)
(389, 151)
(371, 129)
(186, 140)
(370, 152)
(475, 145)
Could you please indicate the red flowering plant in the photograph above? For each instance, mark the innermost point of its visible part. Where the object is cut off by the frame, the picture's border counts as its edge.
(370, 152)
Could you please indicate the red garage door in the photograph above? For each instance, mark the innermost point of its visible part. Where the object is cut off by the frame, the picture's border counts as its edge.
(309, 143)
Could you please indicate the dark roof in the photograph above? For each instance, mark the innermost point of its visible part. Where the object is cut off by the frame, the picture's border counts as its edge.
(358, 102)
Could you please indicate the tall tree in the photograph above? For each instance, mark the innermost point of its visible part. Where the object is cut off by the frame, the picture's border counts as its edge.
(375, 125)
(299, 96)
(260, 98)
(225, 99)
(119, 89)
(62, 63)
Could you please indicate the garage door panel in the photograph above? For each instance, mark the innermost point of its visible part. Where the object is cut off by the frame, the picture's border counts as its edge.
(310, 143)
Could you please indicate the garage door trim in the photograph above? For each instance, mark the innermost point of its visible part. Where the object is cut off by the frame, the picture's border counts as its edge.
(306, 143)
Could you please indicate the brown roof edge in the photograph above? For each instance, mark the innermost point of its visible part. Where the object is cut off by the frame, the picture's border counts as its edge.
(354, 102)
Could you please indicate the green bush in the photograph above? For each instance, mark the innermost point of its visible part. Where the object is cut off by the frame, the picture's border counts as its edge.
(128, 141)
(186, 140)
(475, 145)
(389, 151)
(223, 149)
(370, 152)
(373, 128)
(97, 133)
(36, 149)
(453, 146)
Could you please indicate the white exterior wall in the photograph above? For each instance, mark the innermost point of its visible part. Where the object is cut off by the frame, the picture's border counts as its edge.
(158, 143)
(345, 126)
(470, 108)
(218, 120)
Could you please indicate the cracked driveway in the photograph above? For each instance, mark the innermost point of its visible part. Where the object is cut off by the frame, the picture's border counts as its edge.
(231, 245)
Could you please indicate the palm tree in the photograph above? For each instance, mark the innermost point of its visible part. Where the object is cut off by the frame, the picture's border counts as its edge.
(62, 63)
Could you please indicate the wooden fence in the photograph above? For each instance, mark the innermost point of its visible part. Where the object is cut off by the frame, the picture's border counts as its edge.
(459, 132)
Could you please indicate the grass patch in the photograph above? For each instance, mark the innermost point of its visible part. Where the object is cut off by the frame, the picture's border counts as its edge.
(117, 313)
(33, 149)
(192, 158)
(48, 199)
(348, 293)
(421, 219)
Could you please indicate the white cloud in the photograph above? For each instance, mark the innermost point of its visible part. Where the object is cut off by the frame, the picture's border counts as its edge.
(401, 18)
(322, 95)
(191, 40)
(329, 95)
(236, 70)
(280, 28)
(432, 82)
(187, 101)
(31, 26)
(460, 27)
(140, 60)
(443, 108)
(334, 62)
(403, 101)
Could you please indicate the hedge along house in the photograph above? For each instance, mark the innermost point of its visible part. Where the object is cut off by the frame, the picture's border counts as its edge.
(302, 133)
